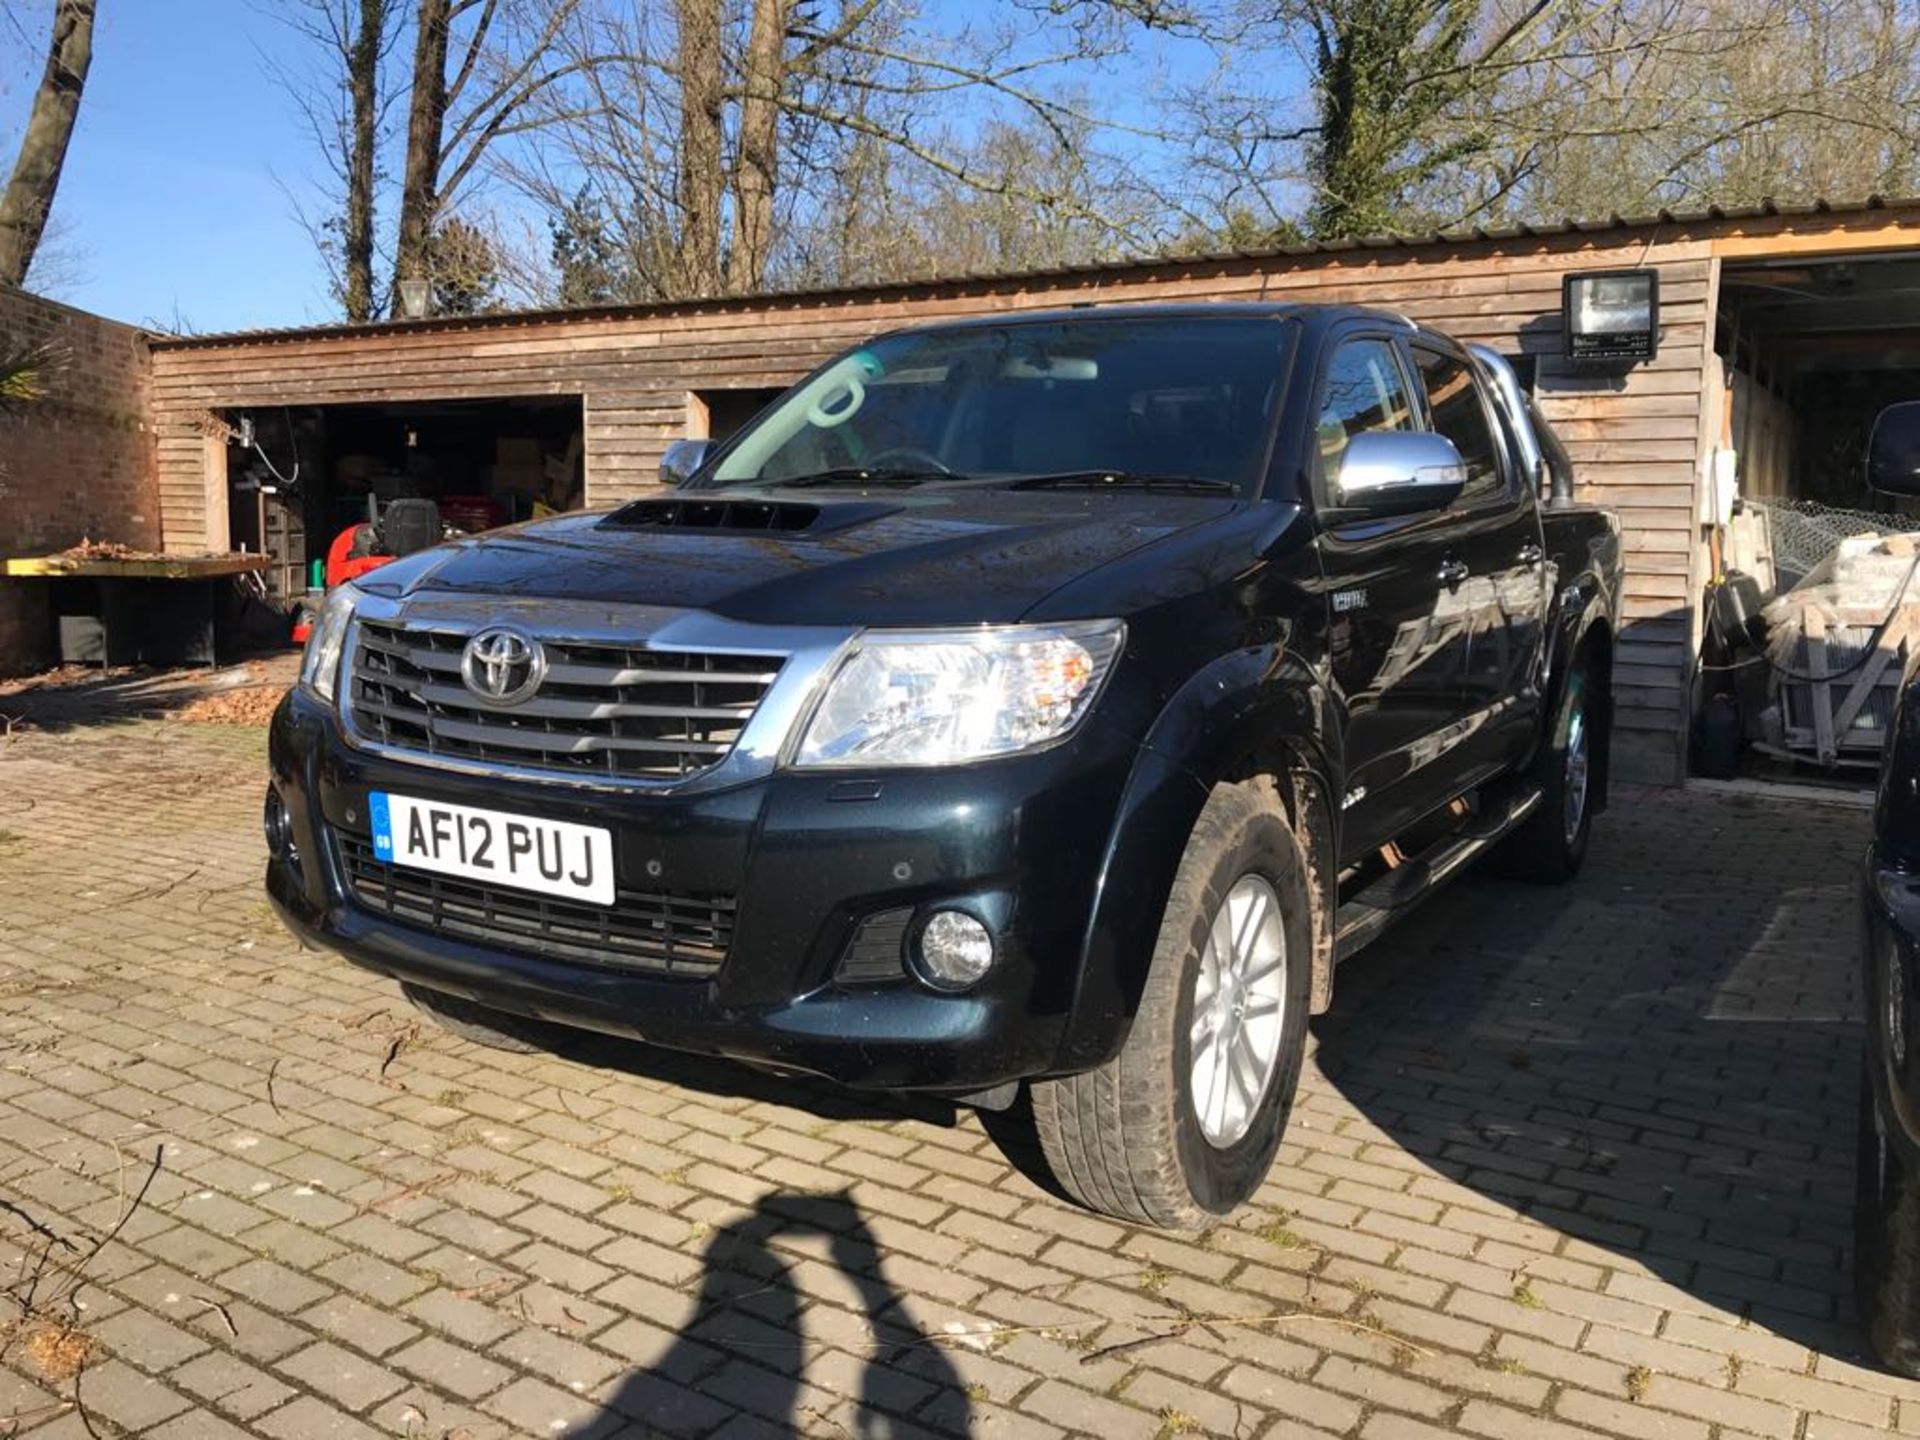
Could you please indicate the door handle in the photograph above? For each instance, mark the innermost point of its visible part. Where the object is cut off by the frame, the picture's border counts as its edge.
(1452, 572)
(1531, 555)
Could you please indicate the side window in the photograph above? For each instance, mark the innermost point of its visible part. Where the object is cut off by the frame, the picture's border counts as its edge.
(1459, 412)
(1364, 391)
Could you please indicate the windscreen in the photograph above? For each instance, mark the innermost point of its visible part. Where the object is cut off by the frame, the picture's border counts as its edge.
(1167, 397)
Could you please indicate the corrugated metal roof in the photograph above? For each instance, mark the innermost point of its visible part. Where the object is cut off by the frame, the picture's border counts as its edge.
(1712, 214)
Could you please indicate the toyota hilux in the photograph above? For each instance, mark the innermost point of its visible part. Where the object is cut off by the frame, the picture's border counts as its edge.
(1043, 700)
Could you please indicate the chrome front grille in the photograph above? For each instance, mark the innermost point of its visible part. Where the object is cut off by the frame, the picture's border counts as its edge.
(678, 936)
(603, 711)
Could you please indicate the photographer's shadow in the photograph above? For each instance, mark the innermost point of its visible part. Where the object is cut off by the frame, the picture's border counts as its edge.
(748, 1343)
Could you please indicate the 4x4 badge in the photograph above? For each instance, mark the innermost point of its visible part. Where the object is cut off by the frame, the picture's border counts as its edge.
(503, 667)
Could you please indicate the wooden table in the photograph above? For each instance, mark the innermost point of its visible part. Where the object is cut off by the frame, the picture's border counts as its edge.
(137, 610)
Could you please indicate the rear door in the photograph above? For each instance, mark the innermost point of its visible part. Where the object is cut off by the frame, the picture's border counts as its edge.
(1493, 593)
(1394, 654)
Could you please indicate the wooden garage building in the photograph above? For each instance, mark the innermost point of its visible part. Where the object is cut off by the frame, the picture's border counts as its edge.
(1641, 436)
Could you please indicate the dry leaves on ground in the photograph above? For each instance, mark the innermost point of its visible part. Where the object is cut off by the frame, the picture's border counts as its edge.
(58, 1352)
(245, 705)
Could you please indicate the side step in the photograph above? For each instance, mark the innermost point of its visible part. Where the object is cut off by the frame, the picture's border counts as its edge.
(1362, 919)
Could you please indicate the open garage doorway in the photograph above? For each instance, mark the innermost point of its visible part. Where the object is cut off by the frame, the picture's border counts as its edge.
(1816, 602)
(719, 414)
(300, 478)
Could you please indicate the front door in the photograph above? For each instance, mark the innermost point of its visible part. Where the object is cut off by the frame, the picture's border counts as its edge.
(1394, 637)
(1499, 596)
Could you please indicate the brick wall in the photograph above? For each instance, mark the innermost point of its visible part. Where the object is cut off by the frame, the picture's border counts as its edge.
(78, 463)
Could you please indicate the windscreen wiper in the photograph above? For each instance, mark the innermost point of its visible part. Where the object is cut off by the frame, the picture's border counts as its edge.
(1123, 480)
(859, 475)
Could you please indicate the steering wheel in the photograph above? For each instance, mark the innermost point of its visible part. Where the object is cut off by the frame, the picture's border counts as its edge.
(906, 457)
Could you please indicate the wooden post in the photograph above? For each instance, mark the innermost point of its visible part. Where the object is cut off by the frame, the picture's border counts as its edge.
(1819, 693)
(217, 537)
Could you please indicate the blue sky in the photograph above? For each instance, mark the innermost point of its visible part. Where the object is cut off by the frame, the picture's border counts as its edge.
(175, 200)
(169, 196)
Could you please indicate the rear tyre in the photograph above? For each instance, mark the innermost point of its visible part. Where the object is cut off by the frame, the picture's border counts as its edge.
(1183, 1124)
(470, 1020)
(1886, 1243)
(1552, 844)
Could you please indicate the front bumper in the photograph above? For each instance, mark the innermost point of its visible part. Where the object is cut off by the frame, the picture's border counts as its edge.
(807, 857)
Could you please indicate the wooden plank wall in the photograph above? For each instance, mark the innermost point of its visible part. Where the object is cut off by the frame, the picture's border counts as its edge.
(1765, 431)
(1636, 436)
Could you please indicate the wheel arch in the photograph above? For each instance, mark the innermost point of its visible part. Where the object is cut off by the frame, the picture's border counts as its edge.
(1305, 793)
(1590, 644)
(1256, 714)
(1597, 646)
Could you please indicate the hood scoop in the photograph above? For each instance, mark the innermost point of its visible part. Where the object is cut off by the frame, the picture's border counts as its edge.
(741, 515)
(685, 514)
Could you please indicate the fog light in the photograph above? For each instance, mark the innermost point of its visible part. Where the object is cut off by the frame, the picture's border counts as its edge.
(279, 828)
(954, 950)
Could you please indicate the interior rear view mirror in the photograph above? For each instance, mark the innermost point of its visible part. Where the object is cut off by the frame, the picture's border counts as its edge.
(683, 457)
(1051, 367)
(1893, 450)
(1398, 472)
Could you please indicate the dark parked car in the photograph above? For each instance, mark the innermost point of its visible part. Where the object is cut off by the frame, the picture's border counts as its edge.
(1043, 700)
(1887, 1221)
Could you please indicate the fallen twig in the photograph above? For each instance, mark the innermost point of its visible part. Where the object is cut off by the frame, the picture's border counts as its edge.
(394, 1047)
(1283, 1318)
(33, 1416)
(270, 1096)
(814, 1413)
(993, 1335)
(225, 1315)
(80, 1406)
(409, 1192)
(21, 1214)
(159, 1159)
(489, 1290)
(154, 892)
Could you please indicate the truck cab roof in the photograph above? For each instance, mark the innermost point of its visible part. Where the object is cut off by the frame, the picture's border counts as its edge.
(1319, 315)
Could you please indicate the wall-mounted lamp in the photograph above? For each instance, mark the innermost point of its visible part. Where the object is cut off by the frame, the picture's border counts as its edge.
(415, 293)
(1611, 314)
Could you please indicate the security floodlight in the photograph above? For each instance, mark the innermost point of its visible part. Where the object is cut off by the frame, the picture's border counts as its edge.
(1611, 315)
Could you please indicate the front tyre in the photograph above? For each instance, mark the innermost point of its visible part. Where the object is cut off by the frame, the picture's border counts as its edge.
(1886, 1243)
(1183, 1124)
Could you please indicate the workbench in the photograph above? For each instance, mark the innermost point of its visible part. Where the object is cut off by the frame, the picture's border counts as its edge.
(138, 610)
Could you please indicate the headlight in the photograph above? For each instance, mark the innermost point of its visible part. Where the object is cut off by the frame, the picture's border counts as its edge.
(938, 697)
(320, 667)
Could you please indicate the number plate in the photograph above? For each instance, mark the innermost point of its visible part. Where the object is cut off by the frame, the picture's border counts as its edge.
(551, 857)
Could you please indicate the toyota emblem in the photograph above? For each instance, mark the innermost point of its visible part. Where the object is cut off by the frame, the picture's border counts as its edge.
(503, 667)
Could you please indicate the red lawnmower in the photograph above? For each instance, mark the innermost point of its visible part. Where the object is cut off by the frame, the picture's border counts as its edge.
(401, 528)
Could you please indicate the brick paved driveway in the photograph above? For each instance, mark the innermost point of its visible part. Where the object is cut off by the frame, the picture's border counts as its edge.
(1567, 1161)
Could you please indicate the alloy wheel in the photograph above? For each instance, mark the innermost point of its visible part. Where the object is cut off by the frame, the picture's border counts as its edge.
(1578, 767)
(1239, 1006)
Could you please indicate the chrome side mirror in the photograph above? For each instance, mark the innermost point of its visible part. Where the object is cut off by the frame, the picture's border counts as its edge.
(682, 458)
(1893, 450)
(1397, 472)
